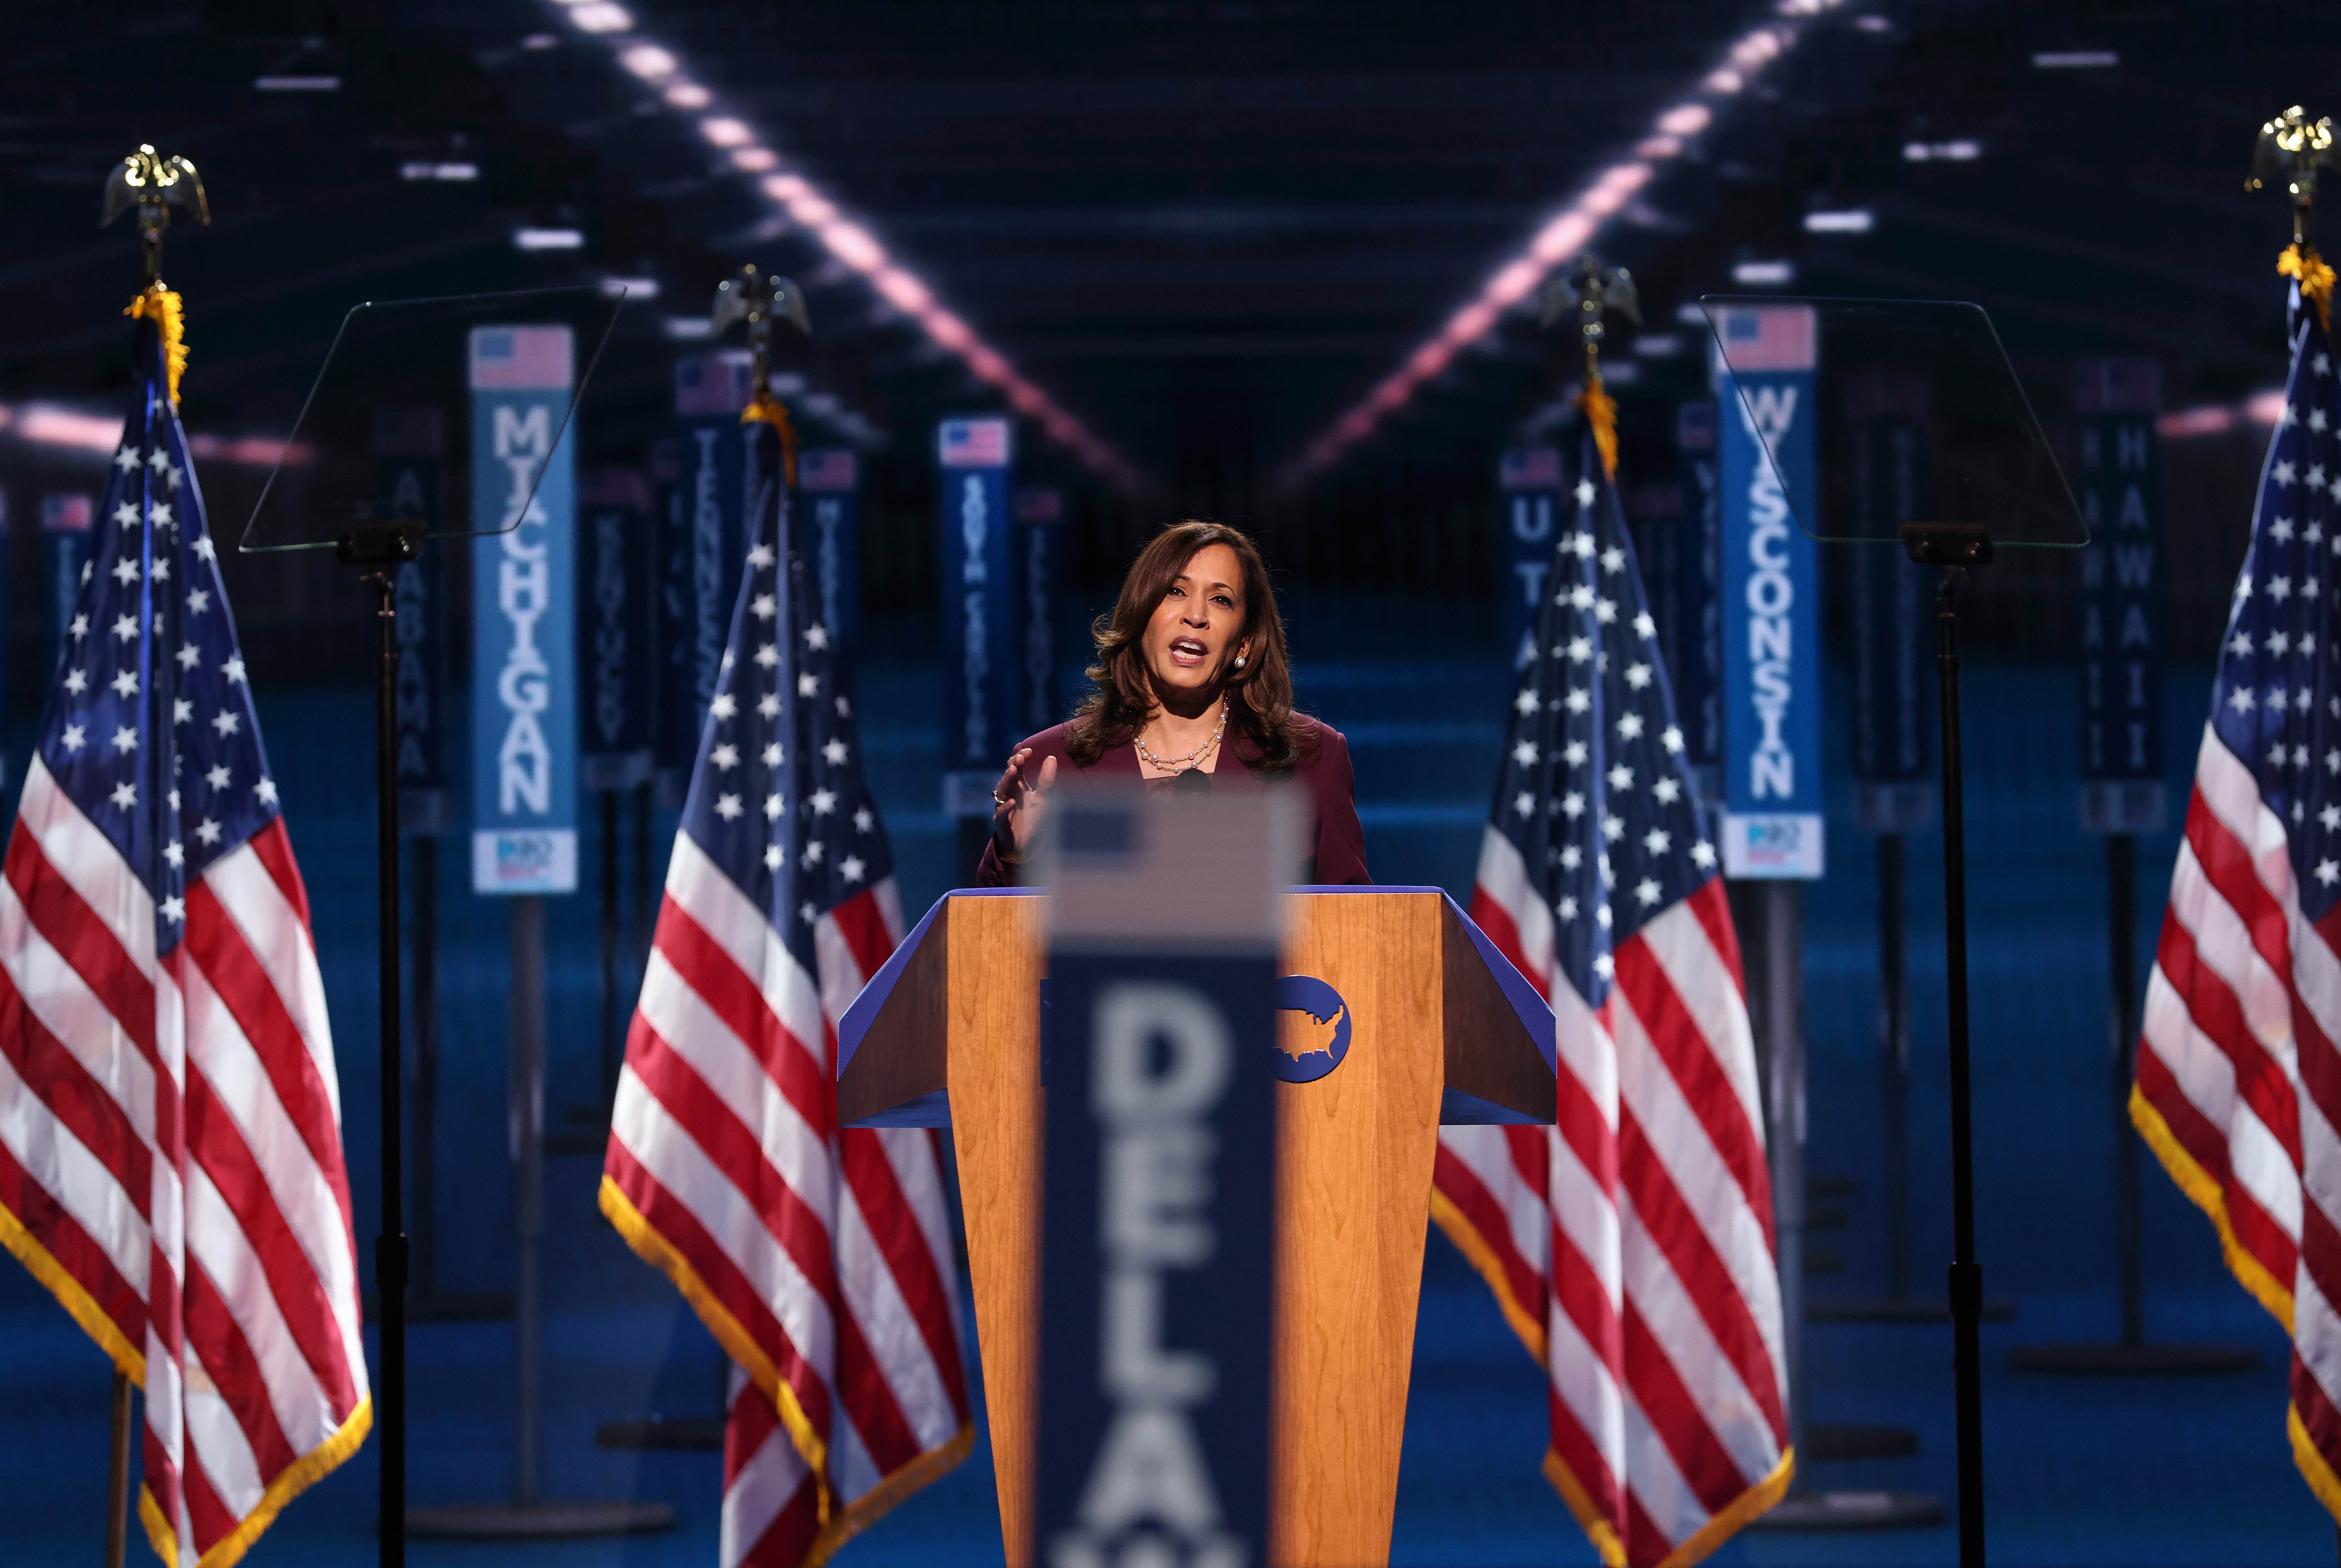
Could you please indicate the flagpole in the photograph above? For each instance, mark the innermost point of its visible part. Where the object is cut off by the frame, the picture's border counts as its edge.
(117, 1476)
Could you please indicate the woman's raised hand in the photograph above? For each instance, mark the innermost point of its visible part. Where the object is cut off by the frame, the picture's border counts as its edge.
(1021, 796)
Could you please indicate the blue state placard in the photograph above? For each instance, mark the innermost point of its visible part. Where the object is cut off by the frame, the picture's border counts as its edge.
(980, 659)
(64, 555)
(1529, 480)
(1041, 539)
(410, 471)
(1161, 1051)
(618, 585)
(1772, 824)
(829, 482)
(523, 620)
(2121, 595)
(1893, 623)
(711, 539)
(1696, 662)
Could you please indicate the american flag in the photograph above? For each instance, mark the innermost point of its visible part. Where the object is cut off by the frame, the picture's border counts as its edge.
(2238, 1086)
(1630, 1244)
(819, 1258)
(170, 1119)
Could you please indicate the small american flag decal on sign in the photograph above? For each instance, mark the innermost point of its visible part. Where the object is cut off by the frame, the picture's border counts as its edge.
(972, 444)
(1768, 337)
(521, 359)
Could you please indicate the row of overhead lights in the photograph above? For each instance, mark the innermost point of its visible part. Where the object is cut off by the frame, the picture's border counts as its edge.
(1566, 235)
(76, 429)
(811, 209)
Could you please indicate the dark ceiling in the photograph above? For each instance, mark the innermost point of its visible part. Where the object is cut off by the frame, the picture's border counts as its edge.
(1206, 227)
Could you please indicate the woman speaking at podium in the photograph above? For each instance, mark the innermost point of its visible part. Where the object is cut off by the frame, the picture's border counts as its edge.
(1191, 692)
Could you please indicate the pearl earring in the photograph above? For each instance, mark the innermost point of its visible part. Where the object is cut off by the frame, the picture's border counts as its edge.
(1240, 662)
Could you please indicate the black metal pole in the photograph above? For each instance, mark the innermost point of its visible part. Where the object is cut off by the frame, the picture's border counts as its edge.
(117, 1476)
(646, 895)
(1894, 1031)
(2121, 939)
(425, 873)
(528, 1192)
(613, 1025)
(1965, 1281)
(390, 1246)
(1782, 945)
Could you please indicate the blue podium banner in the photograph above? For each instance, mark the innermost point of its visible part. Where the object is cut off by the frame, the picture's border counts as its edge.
(1040, 540)
(410, 446)
(617, 585)
(1159, 1041)
(829, 482)
(1772, 824)
(981, 658)
(65, 557)
(709, 391)
(1530, 480)
(2121, 596)
(523, 621)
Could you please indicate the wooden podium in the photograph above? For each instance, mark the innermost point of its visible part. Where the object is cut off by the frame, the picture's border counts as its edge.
(1442, 1028)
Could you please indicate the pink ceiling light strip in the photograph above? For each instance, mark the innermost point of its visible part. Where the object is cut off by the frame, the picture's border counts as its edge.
(860, 250)
(1561, 239)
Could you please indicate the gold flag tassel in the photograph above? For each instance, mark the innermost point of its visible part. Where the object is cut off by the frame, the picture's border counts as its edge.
(163, 307)
(1602, 415)
(2301, 260)
(765, 409)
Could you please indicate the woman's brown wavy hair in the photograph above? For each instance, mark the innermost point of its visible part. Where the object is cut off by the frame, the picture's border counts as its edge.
(1260, 695)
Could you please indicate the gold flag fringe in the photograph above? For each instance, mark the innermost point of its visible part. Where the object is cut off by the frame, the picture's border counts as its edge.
(164, 309)
(2301, 260)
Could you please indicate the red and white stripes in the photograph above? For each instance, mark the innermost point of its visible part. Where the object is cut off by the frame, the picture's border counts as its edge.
(1630, 1244)
(819, 1258)
(171, 1164)
(2238, 1086)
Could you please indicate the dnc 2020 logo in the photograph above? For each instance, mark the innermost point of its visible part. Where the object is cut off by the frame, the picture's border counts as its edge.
(1307, 994)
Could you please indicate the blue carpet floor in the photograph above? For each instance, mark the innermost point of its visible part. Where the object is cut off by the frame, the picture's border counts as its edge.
(2174, 1472)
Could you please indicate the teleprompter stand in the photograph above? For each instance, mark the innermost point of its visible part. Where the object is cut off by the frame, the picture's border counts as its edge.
(377, 550)
(526, 353)
(1993, 484)
(1957, 549)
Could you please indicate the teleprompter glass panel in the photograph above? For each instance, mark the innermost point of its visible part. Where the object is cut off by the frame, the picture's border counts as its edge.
(468, 375)
(1817, 377)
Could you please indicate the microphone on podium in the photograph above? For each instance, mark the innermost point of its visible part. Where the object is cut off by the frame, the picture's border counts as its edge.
(1193, 781)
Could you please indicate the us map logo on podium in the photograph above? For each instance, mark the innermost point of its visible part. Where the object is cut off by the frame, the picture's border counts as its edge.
(1303, 1055)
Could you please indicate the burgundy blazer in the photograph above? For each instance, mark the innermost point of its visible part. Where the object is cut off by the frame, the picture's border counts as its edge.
(1321, 766)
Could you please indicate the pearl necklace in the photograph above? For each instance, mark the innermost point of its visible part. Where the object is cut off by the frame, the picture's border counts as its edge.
(1174, 764)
